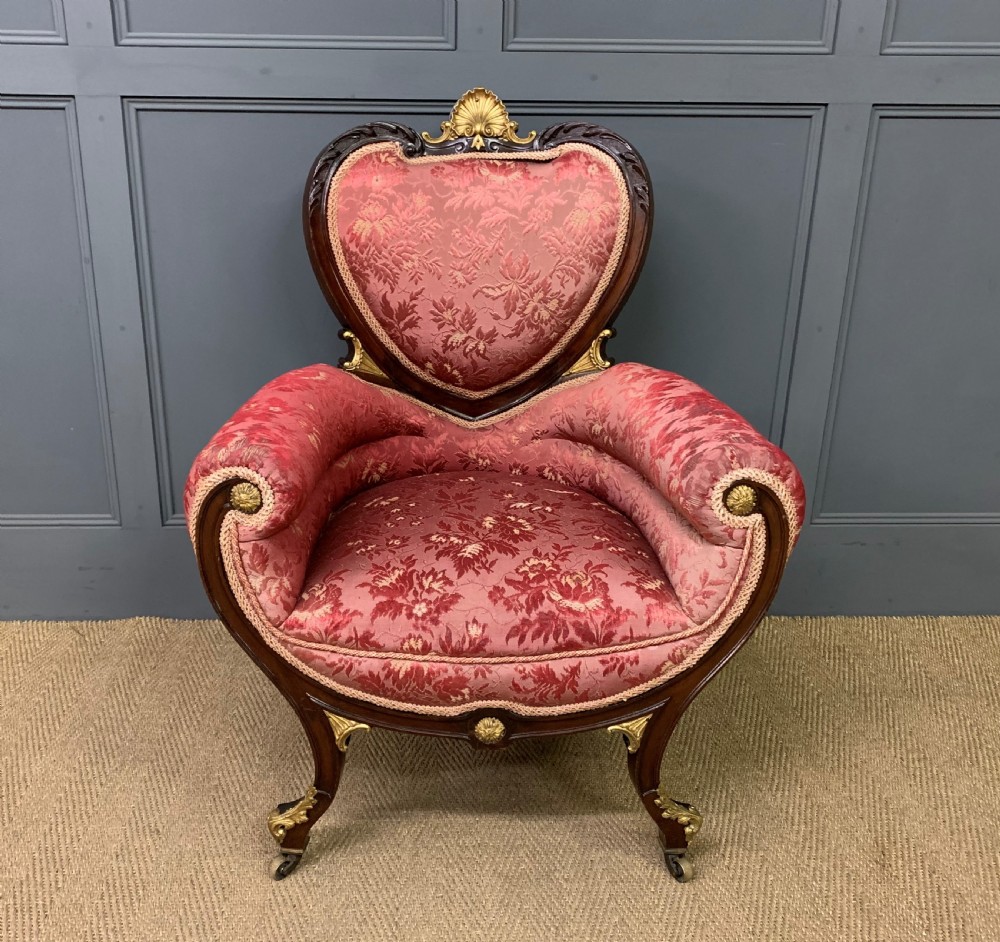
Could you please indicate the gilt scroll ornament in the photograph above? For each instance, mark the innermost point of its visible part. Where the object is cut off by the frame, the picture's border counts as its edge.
(594, 358)
(359, 361)
(279, 822)
(687, 816)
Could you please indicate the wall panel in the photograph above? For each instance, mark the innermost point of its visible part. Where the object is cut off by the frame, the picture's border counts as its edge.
(56, 462)
(710, 26)
(929, 27)
(912, 434)
(348, 24)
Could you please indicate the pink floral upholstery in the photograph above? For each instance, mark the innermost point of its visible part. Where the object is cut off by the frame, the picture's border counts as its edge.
(481, 563)
(476, 270)
(412, 559)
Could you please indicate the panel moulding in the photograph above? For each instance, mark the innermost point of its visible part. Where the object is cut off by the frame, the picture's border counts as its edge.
(897, 47)
(50, 37)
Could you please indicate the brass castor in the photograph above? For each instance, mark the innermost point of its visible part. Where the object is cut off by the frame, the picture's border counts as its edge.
(283, 865)
(679, 866)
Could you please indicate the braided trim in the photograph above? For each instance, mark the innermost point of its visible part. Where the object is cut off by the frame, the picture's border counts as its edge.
(239, 581)
(600, 289)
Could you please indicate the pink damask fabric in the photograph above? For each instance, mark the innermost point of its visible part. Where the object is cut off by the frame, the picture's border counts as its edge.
(481, 563)
(476, 269)
(634, 456)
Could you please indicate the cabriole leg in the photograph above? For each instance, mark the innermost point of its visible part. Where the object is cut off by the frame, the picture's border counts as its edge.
(646, 740)
(291, 822)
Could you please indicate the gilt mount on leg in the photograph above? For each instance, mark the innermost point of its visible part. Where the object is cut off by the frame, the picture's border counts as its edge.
(343, 729)
(289, 814)
(687, 816)
(632, 731)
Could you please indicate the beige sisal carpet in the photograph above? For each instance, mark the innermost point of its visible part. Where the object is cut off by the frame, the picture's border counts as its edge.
(849, 770)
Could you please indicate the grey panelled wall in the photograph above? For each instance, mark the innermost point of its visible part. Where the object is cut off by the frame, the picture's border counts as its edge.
(825, 255)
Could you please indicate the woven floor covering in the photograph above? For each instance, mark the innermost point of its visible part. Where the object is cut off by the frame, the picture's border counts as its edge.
(848, 770)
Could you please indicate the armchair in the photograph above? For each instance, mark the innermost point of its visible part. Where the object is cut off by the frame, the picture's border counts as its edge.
(477, 526)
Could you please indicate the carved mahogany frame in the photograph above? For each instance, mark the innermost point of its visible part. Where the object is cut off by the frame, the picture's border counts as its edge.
(664, 705)
(315, 221)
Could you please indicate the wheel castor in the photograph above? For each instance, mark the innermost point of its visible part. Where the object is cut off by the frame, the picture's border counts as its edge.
(283, 865)
(679, 866)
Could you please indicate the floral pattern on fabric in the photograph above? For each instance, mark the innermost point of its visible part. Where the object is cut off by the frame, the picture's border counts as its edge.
(482, 564)
(635, 552)
(476, 268)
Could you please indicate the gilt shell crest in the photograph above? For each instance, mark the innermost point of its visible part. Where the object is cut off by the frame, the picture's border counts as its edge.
(479, 114)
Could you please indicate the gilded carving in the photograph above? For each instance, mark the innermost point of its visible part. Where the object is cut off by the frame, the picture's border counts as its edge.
(489, 730)
(359, 361)
(687, 816)
(594, 358)
(479, 114)
(246, 497)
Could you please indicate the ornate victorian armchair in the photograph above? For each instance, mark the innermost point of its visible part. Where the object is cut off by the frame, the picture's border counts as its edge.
(477, 527)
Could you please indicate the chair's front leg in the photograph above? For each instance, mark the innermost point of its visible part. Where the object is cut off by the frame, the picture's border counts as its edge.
(646, 740)
(291, 822)
(647, 736)
(328, 734)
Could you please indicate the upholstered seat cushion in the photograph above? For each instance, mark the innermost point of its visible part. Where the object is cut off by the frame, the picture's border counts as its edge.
(486, 586)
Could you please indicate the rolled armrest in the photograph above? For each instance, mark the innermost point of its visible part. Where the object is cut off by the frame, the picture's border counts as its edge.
(687, 444)
(285, 438)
